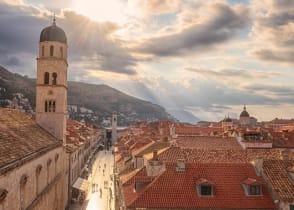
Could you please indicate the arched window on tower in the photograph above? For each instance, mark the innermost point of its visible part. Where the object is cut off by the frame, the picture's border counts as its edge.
(51, 50)
(61, 52)
(54, 78)
(46, 106)
(46, 78)
(50, 106)
(43, 51)
(53, 106)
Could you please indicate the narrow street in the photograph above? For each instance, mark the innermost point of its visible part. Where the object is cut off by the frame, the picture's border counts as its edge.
(101, 187)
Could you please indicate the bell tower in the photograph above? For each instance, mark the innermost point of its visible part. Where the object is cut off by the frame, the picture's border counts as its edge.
(114, 127)
(51, 83)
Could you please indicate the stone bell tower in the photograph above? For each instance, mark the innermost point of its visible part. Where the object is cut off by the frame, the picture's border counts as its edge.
(51, 84)
(114, 128)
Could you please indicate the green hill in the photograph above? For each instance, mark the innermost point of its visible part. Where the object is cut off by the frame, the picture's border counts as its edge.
(101, 99)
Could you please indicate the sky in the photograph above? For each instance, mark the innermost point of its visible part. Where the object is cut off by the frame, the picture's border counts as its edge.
(206, 58)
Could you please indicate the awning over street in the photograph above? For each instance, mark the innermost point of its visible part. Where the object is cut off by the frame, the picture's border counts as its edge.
(81, 184)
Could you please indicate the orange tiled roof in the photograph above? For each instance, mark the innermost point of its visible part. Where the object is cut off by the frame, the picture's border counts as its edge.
(278, 178)
(197, 131)
(174, 189)
(217, 156)
(156, 146)
(207, 142)
(283, 139)
(282, 121)
(20, 136)
(250, 181)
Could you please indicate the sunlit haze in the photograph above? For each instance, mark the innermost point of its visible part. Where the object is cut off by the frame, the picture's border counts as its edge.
(110, 10)
(205, 59)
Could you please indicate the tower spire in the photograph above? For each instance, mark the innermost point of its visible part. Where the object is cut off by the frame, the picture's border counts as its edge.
(54, 19)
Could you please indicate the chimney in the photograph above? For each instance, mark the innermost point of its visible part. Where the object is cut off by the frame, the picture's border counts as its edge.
(155, 155)
(155, 166)
(258, 164)
(181, 166)
(285, 154)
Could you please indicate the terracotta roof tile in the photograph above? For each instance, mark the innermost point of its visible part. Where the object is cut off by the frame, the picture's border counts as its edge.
(218, 156)
(174, 189)
(152, 147)
(20, 136)
(279, 179)
(184, 130)
(250, 181)
(207, 142)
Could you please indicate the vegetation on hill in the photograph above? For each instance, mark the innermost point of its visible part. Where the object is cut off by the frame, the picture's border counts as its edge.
(101, 99)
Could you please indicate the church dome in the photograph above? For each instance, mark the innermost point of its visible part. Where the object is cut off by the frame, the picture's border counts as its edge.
(53, 33)
(244, 113)
(227, 119)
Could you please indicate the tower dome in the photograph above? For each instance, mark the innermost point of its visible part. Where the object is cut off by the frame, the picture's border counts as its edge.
(53, 33)
(244, 113)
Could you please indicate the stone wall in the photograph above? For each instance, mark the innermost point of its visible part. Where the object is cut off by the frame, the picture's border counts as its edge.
(38, 184)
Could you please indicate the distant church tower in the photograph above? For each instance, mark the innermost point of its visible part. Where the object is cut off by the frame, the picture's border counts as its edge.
(51, 84)
(114, 127)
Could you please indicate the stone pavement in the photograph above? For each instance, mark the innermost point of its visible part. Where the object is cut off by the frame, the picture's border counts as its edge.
(101, 185)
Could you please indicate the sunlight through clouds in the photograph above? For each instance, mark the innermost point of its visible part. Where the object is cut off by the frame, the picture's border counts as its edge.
(176, 53)
(110, 10)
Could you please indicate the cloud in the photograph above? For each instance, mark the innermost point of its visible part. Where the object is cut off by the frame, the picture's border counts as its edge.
(199, 93)
(220, 27)
(284, 93)
(275, 55)
(160, 6)
(21, 26)
(232, 74)
(273, 27)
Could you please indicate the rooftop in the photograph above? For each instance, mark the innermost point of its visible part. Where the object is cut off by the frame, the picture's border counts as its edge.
(173, 189)
(207, 142)
(218, 156)
(21, 137)
(279, 179)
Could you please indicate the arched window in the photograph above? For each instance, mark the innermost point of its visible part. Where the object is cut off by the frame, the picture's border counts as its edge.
(54, 78)
(22, 182)
(46, 106)
(48, 171)
(50, 106)
(46, 78)
(43, 50)
(61, 52)
(38, 171)
(51, 50)
(53, 106)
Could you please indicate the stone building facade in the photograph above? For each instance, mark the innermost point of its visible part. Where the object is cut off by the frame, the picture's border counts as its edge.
(33, 169)
(32, 165)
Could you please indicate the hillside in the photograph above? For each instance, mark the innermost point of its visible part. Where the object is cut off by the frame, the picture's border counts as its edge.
(101, 99)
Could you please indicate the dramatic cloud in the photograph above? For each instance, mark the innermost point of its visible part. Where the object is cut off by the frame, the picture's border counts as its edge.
(282, 92)
(204, 57)
(274, 25)
(225, 74)
(221, 26)
(93, 45)
(275, 55)
(88, 40)
(160, 6)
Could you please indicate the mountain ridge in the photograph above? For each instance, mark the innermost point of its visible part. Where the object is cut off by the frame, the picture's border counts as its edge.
(100, 98)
